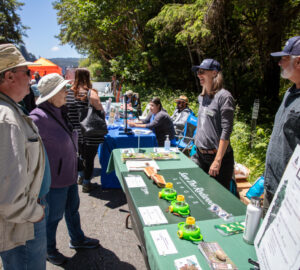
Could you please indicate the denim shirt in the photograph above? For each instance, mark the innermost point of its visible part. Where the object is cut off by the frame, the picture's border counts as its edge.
(285, 136)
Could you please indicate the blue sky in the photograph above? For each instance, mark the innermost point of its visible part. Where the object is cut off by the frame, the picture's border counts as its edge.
(40, 16)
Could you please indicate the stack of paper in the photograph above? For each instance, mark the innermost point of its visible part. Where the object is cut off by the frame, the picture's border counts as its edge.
(139, 165)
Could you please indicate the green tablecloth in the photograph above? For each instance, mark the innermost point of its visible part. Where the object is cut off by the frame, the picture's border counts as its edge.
(233, 245)
(116, 164)
(199, 189)
(104, 98)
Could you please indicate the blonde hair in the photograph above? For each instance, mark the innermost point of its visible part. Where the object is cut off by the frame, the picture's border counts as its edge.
(217, 85)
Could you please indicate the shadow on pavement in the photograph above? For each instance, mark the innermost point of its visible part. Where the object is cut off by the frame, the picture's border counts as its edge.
(94, 259)
(115, 197)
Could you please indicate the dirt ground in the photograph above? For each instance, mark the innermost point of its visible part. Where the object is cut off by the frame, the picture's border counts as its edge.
(103, 214)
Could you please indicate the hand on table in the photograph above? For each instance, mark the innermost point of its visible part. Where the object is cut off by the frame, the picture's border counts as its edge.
(131, 123)
(214, 168)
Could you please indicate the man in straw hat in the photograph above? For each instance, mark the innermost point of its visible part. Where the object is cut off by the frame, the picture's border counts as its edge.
(22, 166)
(180, 114)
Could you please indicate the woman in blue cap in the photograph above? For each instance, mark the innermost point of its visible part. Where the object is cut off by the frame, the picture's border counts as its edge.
(215, 122)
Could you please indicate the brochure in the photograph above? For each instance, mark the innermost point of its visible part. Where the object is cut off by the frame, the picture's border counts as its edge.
(135, 165)
(187, 263)
(152, 215)
(230, 228)
(163, 242)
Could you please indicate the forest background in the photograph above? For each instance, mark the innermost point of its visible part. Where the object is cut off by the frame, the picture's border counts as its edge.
(151, 46)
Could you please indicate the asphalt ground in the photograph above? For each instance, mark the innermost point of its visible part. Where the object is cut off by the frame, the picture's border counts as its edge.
(103, 214)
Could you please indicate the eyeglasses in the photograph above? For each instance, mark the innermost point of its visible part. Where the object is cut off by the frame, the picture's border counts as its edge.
(201, 71)
(28, 71)
(180, 102)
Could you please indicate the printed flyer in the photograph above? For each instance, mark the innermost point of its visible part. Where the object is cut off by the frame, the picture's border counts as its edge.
(277, 243)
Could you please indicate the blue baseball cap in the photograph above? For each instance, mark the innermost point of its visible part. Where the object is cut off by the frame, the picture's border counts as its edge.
(208, 64)
(292, 47)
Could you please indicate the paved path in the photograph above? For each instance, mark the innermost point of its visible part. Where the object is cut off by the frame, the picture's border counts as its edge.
(101, 218)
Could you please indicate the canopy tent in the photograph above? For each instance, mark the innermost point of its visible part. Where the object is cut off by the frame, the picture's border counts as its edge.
(45, 67)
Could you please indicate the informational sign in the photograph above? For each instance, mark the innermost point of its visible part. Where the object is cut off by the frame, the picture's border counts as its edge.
(135, 181)
(255, 109)
(152, 215)
(277, 243)
(163, 242)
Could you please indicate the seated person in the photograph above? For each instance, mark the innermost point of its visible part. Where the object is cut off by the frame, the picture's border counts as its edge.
(159, 121)
(134, 100)
(181, 114)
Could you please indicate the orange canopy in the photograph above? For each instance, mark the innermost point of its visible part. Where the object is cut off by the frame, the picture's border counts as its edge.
(45, 67)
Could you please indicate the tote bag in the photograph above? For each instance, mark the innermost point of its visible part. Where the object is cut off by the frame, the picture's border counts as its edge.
(93, 123)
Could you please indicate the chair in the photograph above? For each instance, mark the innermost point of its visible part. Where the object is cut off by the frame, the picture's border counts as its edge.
(145, 112)
(186, 141)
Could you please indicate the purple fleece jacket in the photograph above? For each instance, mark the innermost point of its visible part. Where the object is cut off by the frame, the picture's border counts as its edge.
(59, 146)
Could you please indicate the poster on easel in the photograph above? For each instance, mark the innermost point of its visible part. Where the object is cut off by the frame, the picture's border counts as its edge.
(277, 243)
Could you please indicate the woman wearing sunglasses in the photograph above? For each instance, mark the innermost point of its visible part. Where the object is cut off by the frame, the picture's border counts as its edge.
(215, 122)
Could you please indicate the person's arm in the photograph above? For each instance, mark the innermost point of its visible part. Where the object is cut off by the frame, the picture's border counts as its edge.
(227, 115)
(180, 123)
(18, 204)
(158, 120)
(95, 100)
(132, 124)
(216, 165)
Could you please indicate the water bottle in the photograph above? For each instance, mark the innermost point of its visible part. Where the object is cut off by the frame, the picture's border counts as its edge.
(252, 221)
(107, 106)
(167, 144)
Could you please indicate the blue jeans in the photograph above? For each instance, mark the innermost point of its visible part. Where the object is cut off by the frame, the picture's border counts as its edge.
(63, 201)
(32, 255)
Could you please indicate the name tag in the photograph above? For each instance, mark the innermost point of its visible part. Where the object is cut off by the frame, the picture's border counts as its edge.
(209, 112)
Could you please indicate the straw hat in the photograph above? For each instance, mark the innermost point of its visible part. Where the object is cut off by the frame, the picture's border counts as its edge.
(182, 98)
(129, 93)
(49, 86)
(10, 57)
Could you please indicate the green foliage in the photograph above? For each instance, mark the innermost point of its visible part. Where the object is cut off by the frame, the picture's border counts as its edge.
(85, 62)
(11, 28)
(184, 21)
(151, 46)
(253, 158)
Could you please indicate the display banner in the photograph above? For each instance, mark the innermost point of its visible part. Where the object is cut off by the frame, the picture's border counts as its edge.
(277, 243)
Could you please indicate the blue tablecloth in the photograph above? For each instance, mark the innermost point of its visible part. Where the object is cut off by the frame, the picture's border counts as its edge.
(115, 140)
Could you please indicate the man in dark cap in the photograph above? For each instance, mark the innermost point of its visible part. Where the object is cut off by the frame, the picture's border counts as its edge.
(286, 132)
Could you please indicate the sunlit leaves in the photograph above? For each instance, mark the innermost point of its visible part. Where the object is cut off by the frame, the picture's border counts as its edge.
(11, 28)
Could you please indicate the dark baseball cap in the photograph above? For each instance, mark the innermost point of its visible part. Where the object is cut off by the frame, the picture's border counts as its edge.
(292, 47)
(208, 64)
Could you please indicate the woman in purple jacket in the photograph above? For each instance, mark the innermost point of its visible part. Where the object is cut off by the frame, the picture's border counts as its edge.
(60, 141)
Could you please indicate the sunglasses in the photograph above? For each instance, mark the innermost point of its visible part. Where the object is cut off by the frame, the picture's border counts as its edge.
(201, 71)
(28, 72)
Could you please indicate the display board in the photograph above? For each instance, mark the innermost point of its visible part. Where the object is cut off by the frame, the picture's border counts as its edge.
(278, 240)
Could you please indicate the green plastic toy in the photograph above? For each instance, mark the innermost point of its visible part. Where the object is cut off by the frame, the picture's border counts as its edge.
(189, 231)
(168, 193)
(179, 206)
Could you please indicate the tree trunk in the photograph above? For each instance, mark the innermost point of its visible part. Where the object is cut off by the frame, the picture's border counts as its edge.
(274, 34)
